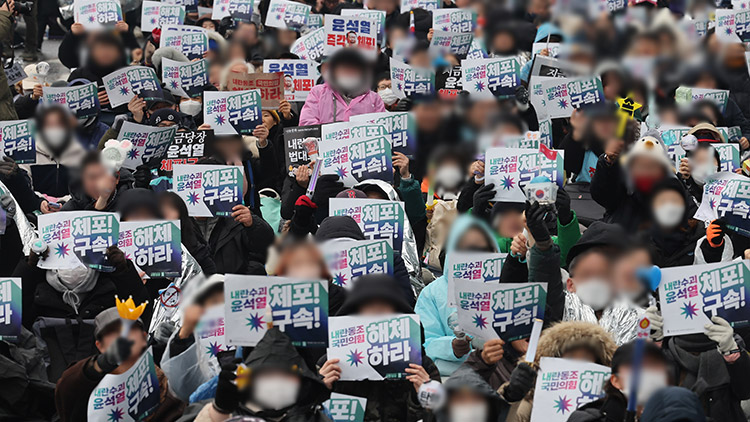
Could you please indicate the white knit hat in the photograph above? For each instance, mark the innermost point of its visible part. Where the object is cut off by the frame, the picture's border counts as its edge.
(651, 147)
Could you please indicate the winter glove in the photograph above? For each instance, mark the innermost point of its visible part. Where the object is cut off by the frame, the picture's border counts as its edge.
(8, 167)
(715, 233)
(116, 257)
(227, 396)
(562, 205)
(461, 347)
(302, 221)
(142, 176)
(116, 354)
(6, 201)
(522, 97)
(535, 215)
(722, 334)
(657, 323)
(521, 381)
(482, 198)
(328, 186)
(164, 331)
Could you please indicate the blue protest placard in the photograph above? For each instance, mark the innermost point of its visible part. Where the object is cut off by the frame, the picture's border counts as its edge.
(10, 309)
(349, 259)
(310, 46)
(17, 139)
(401, 126)
(97, 14)
(148, 142)
(727, 195)
(192, 41)
(408, 81)
(488, 78)
(153, 246)
(124, 84)
(286, 14)
(378, 218)
(156, 14)
(78, 238)
(81, 99)
(208, 190)
(232, 113)
(357, 159)
(185, 79)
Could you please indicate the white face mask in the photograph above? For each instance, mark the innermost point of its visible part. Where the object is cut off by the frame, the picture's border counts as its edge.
(669, 215)
(701, 172)
(449, 177)
(594, 292)
(388, 97)
(649, 383)
(55, 136)
(275, 393)
(191, 107)
(349, 83)
(469, 413)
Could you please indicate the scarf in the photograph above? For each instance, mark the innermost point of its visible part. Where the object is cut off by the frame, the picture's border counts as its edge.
(704, 371)
(73, 284)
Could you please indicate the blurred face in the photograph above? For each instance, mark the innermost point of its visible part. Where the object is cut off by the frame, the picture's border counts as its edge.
(169, 212)
(345, 73)
(580, 353)
(209, 25)
(624, 274)
(376, 307)
(388, 6)
(286, 37)
(604, 129)
(420, 59)
(228, 148)
(668, 208)
(706, 81)
(510, 223)
(275, 390)
(479, 115)
(467, 406)
(474, 240)
(140, 214)
(703, 157)
(214, 75)
(384, 84)
(539, 8)
(136, 335)
(734, 56)
(653, 377)
(247, 33)
(236, 51)
(428, 116)
(503, 42)
(105, 54)
(304, 263)
(646, 168)
(589, 267)
(268, 120)
(54, 120)
(91, 176)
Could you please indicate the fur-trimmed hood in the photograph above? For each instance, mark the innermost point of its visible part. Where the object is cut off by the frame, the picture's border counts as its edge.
(564, 336)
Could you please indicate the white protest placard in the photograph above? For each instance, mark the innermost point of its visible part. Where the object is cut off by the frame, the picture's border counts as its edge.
(131, 396)
(310, 46)
(97, 14)
(564, 385)
(186, 79)
(408, 80)
(208, 190)
(192, 41)
(154, 246)
(378, 218)
(482, 267)
(689, 296)
(148, 142)
(299, 308)
(300, 76)
(558, 97)
(345, 408)
(454, 20)
(493, 310)
(238, 9)
(211, 333)
(287, 14)
(357, 159)
(510, 169)
(80, 99)
(15, 73)
(349, 259)
(726, 195)
(489, 78)
(124, 84)
(400, 125)
(377, 16)
(351, 31)
(448, 42)
(375, 347)
(76, 238)
(408, 5)
(688, 95)
(553, 48)
(155, 14)
(233, 112)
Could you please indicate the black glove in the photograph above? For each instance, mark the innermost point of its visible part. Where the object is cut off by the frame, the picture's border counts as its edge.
(522, 95)
(227, 396)
(116, 257)
(482, 198)
(6, 201)
(562, 205)
(8, 167)
(116, 353)
(328, 186)
(521, 381)
(535, 216)
(142, 176)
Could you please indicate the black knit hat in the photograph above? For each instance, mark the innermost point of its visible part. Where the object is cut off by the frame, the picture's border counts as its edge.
(624, 354)
(336, 227)
(375, 287)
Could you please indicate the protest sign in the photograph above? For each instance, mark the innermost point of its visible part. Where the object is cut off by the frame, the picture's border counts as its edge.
(192, 41)
(408, 5)
(345, 408)
(400, 125)
(555, 68)
(448, 82)
(545, 132)
(211, 333)
(357, 159)
(310, 46)
(131, 396)
(688, 95)
(81, 99)
(156, 14)
(564, 385)
(208, 190)
(299, 76)
(239, 10)
(270, 86)
(375, 347)
(299, 308)
(484, 267)
(295, 151)
(186, 148)
(558, 97)
(726, 195)
(232, 113)
(153, 246)
(477, 50)
(377, 16)
(97, 14)
(689, 296)
(454, 20)
(378, 218)
(287, 14)
(10, 309)
(186, 79)
(493, 310)
(729, 155)
(553, 48)
(529, 140)
(351, 31)
(407, 81)
(314, 21)
(732, 25)
(447, 42)
(17, 138)
(15, 73)
(349, 259)
(191, 6)
(148, 142)
(350, 130)
(124, 84)
(488, 78)
(510, 169)
(77, 238)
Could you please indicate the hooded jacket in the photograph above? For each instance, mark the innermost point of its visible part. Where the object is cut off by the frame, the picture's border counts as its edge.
(466, 379)
(432, 303)
(323, 101)
(80, 201)
(673, 404)
(238, 249)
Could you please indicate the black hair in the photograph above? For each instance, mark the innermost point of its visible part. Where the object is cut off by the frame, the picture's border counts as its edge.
(186, 223)
(706, 146)
(598, 250)
(91, 157)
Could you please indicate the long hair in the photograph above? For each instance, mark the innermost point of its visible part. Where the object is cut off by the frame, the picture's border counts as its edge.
(285, 260)
(186, 223)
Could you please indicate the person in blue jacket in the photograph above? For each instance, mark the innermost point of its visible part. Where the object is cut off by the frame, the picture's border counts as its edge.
(468, 234)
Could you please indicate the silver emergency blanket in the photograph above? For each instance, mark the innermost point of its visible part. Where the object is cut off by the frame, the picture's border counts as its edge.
(191, 270)
(619, 318)
(25, 229)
